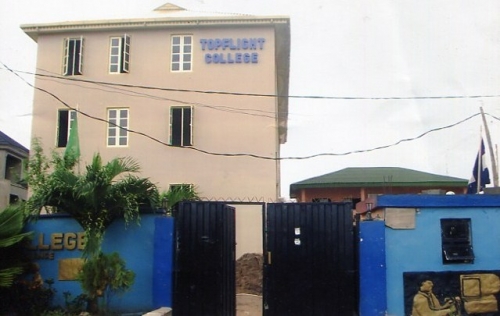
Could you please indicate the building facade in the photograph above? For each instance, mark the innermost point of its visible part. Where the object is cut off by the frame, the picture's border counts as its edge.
(198, 100)
(12, 187)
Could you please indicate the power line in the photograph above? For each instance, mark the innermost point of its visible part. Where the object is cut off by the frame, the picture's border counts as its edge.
(479, 96)
(249, 154)
(154, 97)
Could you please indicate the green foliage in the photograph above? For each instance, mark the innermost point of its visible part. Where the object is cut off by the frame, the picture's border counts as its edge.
(103, 275)
(27, 298)
(95, 198)
(176, 194)
(77, 305)
(12, 260)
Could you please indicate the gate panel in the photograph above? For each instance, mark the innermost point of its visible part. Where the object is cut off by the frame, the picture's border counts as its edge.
(204, 282)
(309, 261)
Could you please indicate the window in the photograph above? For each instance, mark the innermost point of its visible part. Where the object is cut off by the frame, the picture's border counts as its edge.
(186, 187)
(117, 127)
(119, 54)
(181, 53)
(13, 168)
(73, 48)
(456, 240)
(181, 126)
(65, 117)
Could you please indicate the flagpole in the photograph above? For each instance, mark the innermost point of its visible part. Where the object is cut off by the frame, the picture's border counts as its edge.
(490, 148)
(479, 160)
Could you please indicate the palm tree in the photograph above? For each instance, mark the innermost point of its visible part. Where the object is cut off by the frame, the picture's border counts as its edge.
(103, 193)
(177, 194)
(11, 239)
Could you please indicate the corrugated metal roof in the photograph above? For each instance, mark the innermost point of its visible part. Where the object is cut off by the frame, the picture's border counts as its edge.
(378, 177)
(6, 141)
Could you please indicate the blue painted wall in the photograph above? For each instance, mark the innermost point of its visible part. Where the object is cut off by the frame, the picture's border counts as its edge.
(419, 249)
(372, 269)
(144, 247)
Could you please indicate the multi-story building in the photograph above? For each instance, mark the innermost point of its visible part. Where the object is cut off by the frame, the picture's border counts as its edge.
(198, 100)
(12, 187)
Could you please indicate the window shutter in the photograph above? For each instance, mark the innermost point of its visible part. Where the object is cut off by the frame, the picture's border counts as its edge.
(190, 139)
(126, 53)
(66, 57)
(80, 57)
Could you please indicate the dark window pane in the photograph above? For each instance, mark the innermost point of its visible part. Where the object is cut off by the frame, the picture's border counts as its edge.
(176, 40)
(62, 138)
(186, 127)
(176, 136)
(187, 40)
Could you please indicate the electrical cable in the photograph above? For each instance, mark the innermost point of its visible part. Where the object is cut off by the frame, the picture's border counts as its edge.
(265, 95)
(153, 97)
(249, 154)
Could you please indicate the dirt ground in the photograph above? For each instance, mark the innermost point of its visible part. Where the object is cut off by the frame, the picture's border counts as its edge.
(248, 305)
(249, 285)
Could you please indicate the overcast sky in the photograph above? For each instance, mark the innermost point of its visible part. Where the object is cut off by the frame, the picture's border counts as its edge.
(388, 71)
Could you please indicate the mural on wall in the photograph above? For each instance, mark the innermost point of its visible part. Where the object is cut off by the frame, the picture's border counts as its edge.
(452, 293)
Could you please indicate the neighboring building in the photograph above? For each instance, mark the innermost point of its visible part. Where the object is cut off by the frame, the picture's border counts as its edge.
(12, 154)
(194, 99)
(357, 184)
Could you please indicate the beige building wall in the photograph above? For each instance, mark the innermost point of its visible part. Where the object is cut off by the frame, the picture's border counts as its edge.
(4, 193)
(249, 235)
(223, 124)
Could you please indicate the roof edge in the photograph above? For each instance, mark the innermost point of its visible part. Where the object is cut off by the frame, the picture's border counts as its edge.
(33, 30)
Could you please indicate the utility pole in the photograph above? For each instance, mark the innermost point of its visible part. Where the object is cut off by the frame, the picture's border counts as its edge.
(490, 147)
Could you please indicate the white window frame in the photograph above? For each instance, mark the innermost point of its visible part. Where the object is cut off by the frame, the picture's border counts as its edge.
(71, 118)
(181, 59)
(181, 129)
(180, 185)
(116, 130)
(72, 59)
(119, 55)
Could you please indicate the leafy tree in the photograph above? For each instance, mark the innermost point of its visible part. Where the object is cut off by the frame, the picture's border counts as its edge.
(103, 275)
(12, 238)
(95, 198)
(176, 194)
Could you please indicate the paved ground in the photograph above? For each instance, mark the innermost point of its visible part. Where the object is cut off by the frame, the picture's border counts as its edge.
(248, 305)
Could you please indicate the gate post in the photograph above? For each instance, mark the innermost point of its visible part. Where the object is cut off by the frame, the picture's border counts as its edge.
(163, 260)
(372, 269)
